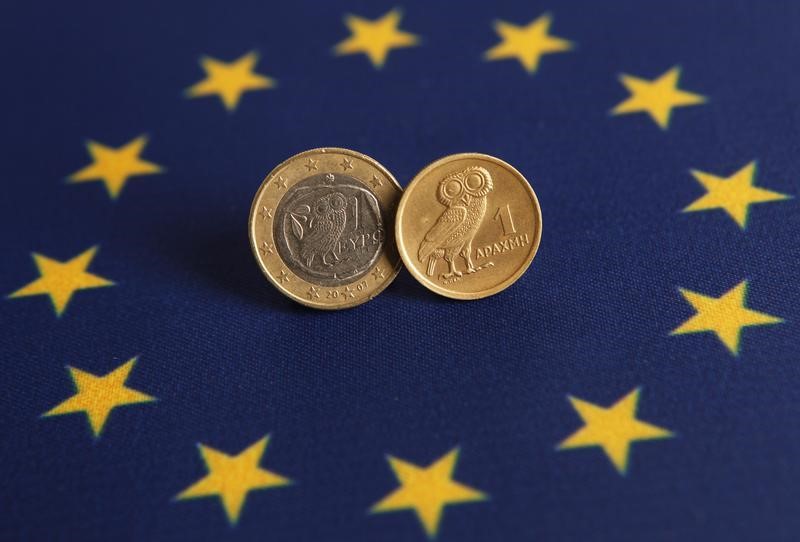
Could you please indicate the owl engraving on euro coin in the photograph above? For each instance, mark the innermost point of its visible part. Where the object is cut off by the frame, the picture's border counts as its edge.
(468, 226)
(329, 229)
(318, 228)
(326, 221)
(464, 196)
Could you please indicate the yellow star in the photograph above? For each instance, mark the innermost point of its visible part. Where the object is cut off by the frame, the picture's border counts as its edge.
(657, 98)
(232, 477)
(725, 315)
(427, 490)
(614, 428)
(732, 194)
(60, 280)
(229, 80)
(527, 43)
(114, 166)
(375, 38)
(97, 396)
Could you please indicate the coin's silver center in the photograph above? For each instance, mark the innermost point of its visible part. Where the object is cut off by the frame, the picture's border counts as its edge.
(329, 229)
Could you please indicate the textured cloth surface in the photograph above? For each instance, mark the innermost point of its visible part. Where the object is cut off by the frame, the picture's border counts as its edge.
(696, 310)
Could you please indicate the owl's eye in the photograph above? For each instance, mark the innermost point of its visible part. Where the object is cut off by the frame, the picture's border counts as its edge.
(337, 202)
(452, 189)
(322, 207)
(474, 181)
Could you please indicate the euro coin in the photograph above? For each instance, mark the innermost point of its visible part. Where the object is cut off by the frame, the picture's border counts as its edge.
(321, 228)
(468, 226)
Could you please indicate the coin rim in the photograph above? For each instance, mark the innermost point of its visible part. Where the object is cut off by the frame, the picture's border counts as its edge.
(392, 273)
(410, 263)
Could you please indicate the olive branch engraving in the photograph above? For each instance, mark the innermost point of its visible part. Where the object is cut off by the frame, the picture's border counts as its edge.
(299, 217)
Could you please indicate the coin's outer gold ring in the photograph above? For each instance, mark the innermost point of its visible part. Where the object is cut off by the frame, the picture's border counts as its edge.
(409, 261)
(393, 267)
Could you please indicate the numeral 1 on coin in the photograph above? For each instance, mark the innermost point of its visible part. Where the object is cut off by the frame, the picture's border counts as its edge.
(503, 215)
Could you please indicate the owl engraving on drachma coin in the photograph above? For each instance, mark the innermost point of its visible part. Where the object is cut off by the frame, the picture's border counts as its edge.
(464, 196)
(468, 225)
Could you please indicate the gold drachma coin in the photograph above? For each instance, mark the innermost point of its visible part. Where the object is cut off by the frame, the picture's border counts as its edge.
(321, 228)
(468, 226)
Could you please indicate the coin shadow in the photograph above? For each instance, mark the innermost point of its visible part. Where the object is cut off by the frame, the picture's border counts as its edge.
(405, 286)
(223, 259)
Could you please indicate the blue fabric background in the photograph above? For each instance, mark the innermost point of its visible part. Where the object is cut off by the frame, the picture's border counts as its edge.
(410, 374)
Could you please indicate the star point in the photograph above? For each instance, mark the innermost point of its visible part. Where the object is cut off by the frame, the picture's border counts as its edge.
(725, 316)
(375, 38)
(97, 396)
(733, 194)
(614, 428)
(657, 97)
(229, 80)
(115, 165)
(266, 248)
(427, 490)
(232, 477)
(527, 43)
(60, 280)
(265, 213)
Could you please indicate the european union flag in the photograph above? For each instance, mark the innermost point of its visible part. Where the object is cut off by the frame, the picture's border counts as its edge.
(639, 382)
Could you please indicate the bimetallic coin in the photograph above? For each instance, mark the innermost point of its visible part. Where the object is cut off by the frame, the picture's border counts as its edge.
(468, 226)
(321, 228)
